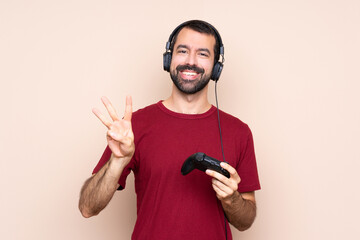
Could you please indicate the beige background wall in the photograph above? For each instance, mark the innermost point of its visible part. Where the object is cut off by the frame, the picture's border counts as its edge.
(291, 73)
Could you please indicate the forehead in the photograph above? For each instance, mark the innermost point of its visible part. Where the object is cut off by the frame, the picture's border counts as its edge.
(195, 39)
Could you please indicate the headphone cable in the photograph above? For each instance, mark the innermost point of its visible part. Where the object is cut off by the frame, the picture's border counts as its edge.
(222, 146)
(218, 115)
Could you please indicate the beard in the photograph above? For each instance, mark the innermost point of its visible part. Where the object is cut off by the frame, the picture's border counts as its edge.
(189, 86)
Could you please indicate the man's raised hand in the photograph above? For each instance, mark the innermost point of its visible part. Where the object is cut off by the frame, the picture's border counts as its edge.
(120, 136)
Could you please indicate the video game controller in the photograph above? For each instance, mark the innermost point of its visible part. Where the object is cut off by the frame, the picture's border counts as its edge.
(202, 162)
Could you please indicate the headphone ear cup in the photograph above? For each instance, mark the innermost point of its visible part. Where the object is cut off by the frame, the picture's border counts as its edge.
(216, 71)
(167, 61)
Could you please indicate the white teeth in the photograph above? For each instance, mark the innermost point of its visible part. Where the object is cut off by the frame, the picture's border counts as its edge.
(189, 73)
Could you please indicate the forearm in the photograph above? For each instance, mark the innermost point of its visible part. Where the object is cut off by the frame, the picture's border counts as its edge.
(240, 212)
(100, 188)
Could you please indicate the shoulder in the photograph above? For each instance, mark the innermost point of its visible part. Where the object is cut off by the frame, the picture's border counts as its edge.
(229, 121)
(146, 115)
(148, 110)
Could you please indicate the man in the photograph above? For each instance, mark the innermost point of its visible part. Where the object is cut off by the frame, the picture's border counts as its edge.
(154, 142)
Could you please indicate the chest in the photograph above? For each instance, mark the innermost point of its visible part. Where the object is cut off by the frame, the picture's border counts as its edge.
(161, 149)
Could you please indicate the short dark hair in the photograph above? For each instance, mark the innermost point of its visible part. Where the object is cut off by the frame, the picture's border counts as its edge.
(201, 27)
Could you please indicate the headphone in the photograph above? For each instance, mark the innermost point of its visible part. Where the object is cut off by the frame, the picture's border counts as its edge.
(218, 66)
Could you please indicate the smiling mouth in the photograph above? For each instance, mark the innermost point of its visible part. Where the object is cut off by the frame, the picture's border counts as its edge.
(189, 75)
(189, 72)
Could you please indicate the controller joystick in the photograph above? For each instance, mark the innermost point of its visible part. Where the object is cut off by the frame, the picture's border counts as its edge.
(202, 162)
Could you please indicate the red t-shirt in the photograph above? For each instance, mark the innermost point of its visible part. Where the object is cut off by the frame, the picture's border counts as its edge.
(173, 206)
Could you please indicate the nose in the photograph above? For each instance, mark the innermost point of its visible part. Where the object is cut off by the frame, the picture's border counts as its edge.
(191, 59)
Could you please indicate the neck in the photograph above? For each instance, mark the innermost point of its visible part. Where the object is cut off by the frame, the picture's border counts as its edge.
(180, 102)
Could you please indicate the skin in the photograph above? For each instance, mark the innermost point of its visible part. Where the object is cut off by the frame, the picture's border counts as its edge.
(98, 190)
(193, 49)
(240, 208)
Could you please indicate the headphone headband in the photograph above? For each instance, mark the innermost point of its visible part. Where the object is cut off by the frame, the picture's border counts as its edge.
(217, 35)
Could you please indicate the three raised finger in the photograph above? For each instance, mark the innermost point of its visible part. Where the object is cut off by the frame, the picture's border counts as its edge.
(112, 112)
(101, 117)
(109, 107)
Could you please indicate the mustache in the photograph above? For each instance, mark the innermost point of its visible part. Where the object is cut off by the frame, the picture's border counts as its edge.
(190, 67)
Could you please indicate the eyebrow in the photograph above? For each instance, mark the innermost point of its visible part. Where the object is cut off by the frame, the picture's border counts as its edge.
(187, 47)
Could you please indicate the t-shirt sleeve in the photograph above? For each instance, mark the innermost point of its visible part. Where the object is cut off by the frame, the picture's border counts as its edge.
(105, 158)
(247, 167)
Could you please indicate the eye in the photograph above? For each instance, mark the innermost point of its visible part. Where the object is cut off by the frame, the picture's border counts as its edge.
(182, 51)
(204, 54)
